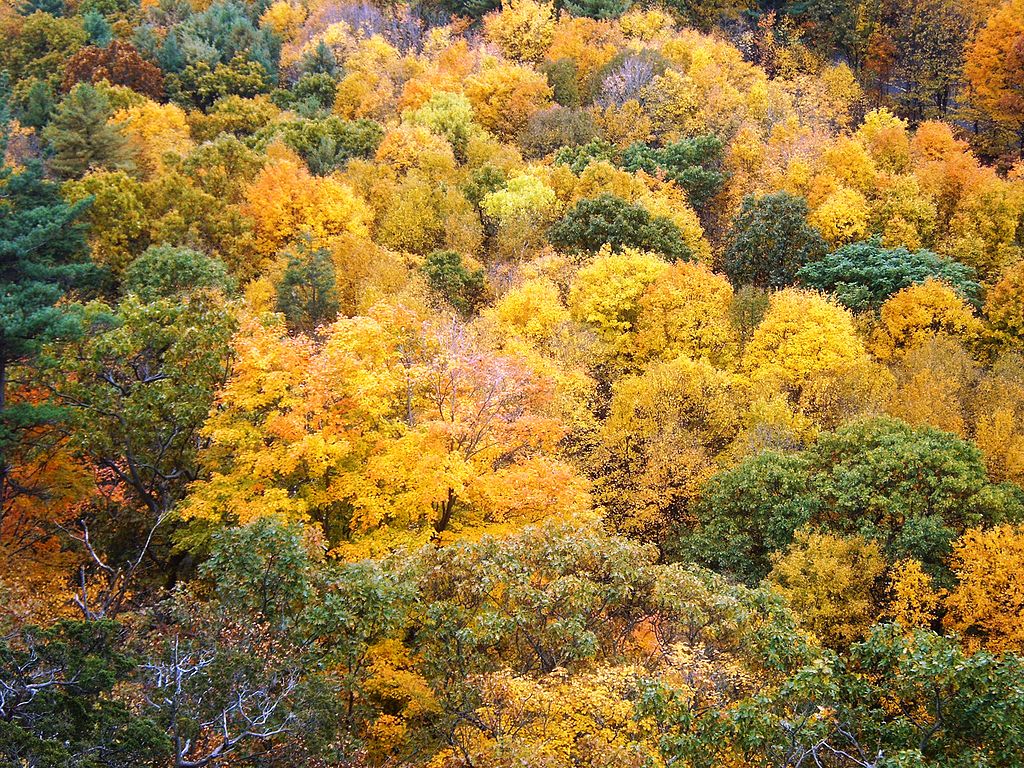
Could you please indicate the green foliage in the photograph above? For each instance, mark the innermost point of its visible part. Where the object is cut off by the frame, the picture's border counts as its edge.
(42, 256)
(307, 295)
(201, 85)
(465, 290)
(863, 275)
(80, 137)
(610, 220)
(748, 514)
(98, 28)
(694, 164)
(579, 157)
(564, 84)
(262, 570)
(912, 490)
(326, 144)
(598, 9)
(138, 388)
(770, 240)
(164, 272)
(57, 710)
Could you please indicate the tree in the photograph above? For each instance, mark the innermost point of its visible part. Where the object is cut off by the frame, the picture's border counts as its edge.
(610, 220)
(863, 275)
(167, 272)
(59, 707)
(522, 29)
(661, 441)
(995, 67)
(694, 164)
(42, 253)
(748, 514)
(306, 294)
(769, 241)
(137, 388)
(606, 295)
(986, 607)
(828, 583)
(505, 95)
(806, 348)
(119, 64)
(447, 274)
(81, 137)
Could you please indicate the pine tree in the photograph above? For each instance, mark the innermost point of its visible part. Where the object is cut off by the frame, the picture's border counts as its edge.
(41, 252)
(81, 138)
(306, 295)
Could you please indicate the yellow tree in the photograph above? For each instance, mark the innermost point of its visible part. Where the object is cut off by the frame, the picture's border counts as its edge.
(660, 443)
(285, 200)
(522, 29)
(505, 95)
(606, 296)
(685, 311)
(155, 130)
(391, 431)
(806, 348)
(828, 582)
(987, 604)
(995, 67)
(921, 312)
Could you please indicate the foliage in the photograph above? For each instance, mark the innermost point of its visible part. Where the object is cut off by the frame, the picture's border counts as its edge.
(863, 275)
(447, 274)
(82, 139)
(610, 220)
(770, 240)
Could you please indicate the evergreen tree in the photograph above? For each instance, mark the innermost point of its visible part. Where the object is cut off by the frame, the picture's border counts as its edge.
(770, 240)
(38, 107)
(81, 138)
(41, 250)
(306, 295)
(98, 29)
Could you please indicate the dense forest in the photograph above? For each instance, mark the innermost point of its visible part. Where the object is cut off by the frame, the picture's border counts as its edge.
(482, 384)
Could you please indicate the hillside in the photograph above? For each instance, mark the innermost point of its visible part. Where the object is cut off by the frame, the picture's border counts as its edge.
(455, 385)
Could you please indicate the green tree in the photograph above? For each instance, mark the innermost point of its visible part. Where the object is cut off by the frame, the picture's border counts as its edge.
(610, 220)
(81, 138)
(42, 256)
(863, 275)
(166, 271)
(748, 514)
(307, 295)
(770, 240)
(464, 289)
(694, 164)
(58, 709)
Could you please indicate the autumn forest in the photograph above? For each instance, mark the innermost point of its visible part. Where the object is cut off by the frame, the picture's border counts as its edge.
(508, 384)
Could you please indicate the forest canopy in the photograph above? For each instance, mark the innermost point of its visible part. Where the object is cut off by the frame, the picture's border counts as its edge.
(511, 383)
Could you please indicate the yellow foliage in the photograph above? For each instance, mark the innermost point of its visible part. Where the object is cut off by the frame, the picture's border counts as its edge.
(914, 599)
(806, 348)
(606, 295)
(685, 311)
(532, 310)
(155, 130)
(285, 200)
(887, 140)
(660, 442)
(828, 581)
(934, 385)
(842, 217)
(505, 95)
(918, 313)
(987, 605)
(522, 29)
(283, 18)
